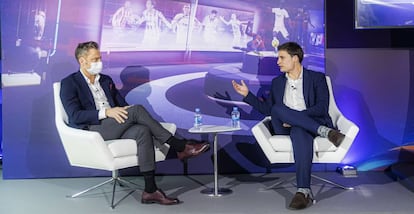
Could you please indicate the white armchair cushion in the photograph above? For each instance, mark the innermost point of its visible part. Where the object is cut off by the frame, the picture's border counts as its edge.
(322, 144)
(122, 147)
(282, 143)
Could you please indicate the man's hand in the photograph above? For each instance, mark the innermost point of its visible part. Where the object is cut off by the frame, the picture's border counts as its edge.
(241, 89)
(120, 114)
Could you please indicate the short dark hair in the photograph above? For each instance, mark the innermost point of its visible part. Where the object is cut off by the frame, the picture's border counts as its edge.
(84, 47)
(293, 49)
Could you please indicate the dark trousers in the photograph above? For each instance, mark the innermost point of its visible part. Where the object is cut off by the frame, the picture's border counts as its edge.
(302, 132)
(141, 127)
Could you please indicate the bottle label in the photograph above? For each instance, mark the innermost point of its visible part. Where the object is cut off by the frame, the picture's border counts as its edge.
(197, 121)
(235, 119)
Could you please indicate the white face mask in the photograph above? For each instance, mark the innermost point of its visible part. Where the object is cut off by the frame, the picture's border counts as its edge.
(96, 68)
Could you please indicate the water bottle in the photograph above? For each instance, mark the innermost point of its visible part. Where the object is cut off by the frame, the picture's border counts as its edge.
(235, 118)
(197, 118)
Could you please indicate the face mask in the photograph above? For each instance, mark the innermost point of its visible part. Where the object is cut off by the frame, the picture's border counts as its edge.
(96, 68)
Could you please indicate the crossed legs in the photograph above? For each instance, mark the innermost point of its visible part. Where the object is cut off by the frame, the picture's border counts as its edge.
(302, 130)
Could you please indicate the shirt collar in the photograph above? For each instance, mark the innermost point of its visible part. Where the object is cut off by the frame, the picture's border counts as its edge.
(87, 79)
(300, 75)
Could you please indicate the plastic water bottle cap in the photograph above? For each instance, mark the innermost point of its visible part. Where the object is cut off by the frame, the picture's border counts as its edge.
(235, 108)
(197, 109)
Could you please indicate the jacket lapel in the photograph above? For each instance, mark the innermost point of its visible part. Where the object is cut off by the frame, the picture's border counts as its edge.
(83, 86)
(306, 86)
(278, 89)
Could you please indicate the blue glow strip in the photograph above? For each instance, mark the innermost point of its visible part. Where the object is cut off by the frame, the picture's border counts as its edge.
(57, 29)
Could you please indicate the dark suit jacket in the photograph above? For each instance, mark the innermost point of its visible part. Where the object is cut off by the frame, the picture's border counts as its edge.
(78, 101)
(315, 92)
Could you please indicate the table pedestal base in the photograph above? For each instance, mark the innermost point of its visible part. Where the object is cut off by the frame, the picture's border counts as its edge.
(215, 191)
(220, 192)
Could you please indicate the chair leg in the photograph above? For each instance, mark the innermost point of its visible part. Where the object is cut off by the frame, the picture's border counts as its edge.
(91, 188)
(279, 183)
(113, 194)
(122, 183)
(331, 182)
(115, 180)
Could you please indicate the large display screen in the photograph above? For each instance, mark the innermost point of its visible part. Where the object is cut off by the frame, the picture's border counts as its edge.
(384, 14)
(171, 25)
(147, 25)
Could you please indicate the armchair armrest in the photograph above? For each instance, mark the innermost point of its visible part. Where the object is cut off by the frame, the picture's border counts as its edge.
(262, 134)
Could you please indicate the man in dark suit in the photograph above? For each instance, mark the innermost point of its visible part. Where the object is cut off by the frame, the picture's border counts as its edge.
(298, 104)
(93, 103)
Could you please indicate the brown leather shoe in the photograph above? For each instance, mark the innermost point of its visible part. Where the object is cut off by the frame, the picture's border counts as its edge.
(336, 137)
(158, 197)
(299, 201)
(192, 149)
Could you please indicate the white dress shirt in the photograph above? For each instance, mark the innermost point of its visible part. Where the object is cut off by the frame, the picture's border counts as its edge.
(293, 97)
(101, 102)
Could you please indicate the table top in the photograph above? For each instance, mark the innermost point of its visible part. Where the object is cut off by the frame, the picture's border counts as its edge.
(213, 129)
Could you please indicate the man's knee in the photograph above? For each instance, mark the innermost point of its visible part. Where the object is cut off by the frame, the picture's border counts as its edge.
(137, 108)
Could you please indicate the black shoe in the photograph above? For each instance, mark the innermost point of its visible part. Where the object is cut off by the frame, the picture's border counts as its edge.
(336, 137)
(158, 197)
(299, 201)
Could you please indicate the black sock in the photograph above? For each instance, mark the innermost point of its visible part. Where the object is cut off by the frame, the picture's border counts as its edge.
(149, 178)
(176, 143)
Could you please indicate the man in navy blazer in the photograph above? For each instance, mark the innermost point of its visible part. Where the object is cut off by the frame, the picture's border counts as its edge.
(92, 102)
(298, 105)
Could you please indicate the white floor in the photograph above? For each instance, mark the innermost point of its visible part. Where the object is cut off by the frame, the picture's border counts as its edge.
(374, 192)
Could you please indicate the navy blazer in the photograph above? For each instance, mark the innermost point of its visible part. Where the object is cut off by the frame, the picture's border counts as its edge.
(315, 92)
(77, 99)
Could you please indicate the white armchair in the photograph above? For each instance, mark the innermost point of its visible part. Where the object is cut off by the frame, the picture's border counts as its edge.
(278, 148)
(88, 149)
